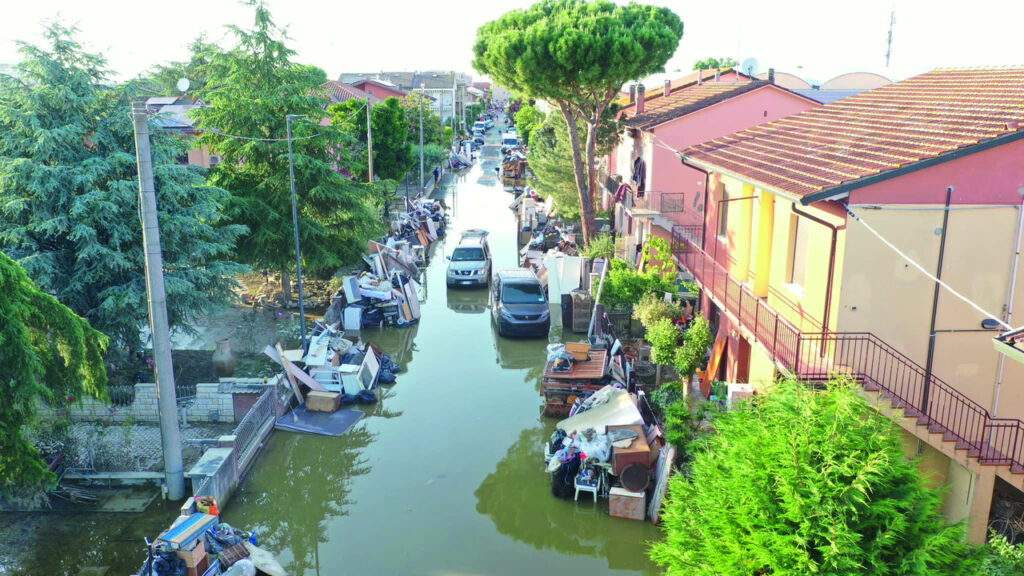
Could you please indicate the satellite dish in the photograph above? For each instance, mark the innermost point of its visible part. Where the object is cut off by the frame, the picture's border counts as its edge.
(183, 85)
(749, 66)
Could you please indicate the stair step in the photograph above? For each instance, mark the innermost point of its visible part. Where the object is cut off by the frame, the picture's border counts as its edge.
(911, 412)
(923, 420)
(973, 452)
(936, 428)
(962, 445)
(871, 387)
(949, 437)
(1017, 468)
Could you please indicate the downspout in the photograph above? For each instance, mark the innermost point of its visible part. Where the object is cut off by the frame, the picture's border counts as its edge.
(1008, 316)
(935, 307)
(831, 267)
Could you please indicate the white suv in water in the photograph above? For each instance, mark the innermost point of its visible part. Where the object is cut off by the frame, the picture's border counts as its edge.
(470, 263)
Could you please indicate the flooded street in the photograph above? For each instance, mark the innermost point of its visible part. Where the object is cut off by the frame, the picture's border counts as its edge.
(443, 477)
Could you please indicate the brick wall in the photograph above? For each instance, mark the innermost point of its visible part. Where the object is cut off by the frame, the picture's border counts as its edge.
(211, 405)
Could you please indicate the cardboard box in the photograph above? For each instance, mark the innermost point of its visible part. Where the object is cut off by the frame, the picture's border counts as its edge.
(194, 557)
(323, 401)
(579, 350)
(625, 504)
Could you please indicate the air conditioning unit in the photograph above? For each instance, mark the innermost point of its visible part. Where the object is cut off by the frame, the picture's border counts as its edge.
(214, 160)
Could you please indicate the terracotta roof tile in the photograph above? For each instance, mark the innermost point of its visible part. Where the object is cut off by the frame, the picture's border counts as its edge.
(341, 92)
(687, 100)
(873, 132)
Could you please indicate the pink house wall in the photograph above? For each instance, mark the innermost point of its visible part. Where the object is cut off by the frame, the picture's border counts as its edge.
(995, 176)
(379, 91)
(669, 175)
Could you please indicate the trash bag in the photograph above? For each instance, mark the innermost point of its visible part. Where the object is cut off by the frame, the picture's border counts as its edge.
(168, 564)
(366, 397)
(556, 441)
(562, 479)
(554, 350)
(385, 376)
(243, 567)
(387, 362)
(348, 399)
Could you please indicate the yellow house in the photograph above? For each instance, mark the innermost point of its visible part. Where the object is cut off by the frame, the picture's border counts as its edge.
(811, 252)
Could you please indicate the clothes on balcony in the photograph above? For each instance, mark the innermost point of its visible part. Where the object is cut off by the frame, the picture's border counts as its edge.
(620, 193)
(640, 176)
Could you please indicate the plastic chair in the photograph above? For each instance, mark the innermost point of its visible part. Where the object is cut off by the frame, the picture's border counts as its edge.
(593, 485)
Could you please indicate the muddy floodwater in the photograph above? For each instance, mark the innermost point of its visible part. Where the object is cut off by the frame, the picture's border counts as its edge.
(443, 477)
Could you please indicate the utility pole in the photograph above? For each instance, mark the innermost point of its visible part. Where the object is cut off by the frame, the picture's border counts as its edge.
(167, 403)
(369, 137)
(888, 45)
(423, 95)
(295, 223)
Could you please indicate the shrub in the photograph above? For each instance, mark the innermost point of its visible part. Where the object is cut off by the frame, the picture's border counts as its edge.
(802, 481)
(602, 246)
(624, 285)
(652, 307)
(1000, 558)
(696, 341)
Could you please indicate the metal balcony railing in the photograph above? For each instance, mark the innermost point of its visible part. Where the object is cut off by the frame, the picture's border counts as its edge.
(663, 202)
(875, 365)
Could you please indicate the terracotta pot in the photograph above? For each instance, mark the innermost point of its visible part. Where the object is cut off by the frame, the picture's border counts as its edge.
(224, 359)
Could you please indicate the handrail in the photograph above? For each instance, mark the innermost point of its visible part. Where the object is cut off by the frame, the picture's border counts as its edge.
(863, 357)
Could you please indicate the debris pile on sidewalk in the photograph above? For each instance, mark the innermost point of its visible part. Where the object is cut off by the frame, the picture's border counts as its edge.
(198, 544)
(609, 446)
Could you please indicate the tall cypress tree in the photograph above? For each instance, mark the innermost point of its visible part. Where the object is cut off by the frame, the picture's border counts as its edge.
(48, 353)
(250, 89)
(69, 196)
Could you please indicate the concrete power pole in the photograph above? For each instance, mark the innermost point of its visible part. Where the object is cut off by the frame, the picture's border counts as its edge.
(423, 94)
(295, 222)
(167, 403)
(369, 137)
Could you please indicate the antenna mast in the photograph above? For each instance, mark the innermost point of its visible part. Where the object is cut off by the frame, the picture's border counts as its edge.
(888, 44)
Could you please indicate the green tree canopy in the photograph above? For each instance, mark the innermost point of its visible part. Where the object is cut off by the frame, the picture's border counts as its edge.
(415, 104)
(577, 54)
(69, 196)
(551, 159)
(392, 151)
(250, 90)
(709, 63)
(804, 481)
(528, 119)
(50, 354)
(165, 77)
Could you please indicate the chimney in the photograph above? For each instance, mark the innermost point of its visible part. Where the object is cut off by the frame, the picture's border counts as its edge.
(718, 74)
(632, 93)
(700, 77)
(639, 100)
(771, 75)
(668, 87)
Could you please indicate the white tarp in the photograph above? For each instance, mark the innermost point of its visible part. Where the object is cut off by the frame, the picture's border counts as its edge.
(618, 410)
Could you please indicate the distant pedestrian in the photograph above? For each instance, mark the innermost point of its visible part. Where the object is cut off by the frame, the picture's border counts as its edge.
(437, 176)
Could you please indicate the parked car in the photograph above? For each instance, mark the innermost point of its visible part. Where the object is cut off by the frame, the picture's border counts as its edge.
(480, 126)
(478, 138)
(489, 124)
(519, 305)
(509, 141)
(470, 263)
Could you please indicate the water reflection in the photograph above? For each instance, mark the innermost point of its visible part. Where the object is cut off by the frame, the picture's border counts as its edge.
(467, 300)
(290, 502)
(517, 498)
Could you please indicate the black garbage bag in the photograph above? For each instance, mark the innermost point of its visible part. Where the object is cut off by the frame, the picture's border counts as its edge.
(348, 399)
(386, 376)
(366, 397)
(168, 564)
(387, 362)
(562, 480)
(556, 441)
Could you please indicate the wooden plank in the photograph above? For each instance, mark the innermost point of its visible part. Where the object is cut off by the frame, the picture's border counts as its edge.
(716, 360)
(592, 369)
(291, 378)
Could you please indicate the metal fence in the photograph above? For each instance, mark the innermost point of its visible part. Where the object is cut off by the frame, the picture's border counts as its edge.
(249, 432)
(877, 366)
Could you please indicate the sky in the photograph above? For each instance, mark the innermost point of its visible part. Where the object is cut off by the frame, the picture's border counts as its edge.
(814, 39)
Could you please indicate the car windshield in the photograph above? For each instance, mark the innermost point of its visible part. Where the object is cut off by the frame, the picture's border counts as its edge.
(522, 294)
(468, 254)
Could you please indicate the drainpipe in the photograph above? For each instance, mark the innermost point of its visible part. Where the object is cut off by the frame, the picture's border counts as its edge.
(831, 267)
(935, 307)
(1009, 302)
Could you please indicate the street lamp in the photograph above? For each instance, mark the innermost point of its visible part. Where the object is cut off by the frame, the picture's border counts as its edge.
(295, 222)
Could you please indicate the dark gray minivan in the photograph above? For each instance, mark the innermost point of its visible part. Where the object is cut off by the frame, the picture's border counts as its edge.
(519, 305)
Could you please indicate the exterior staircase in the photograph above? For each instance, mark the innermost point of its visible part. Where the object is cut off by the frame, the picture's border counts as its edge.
(901, 387)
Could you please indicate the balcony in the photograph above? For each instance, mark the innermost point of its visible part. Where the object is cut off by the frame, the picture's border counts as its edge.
(863, 357)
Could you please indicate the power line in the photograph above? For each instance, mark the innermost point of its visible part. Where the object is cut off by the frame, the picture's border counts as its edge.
(925, 272)
(235, 136)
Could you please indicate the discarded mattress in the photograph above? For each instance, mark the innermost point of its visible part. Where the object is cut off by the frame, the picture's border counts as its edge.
(619, 409)
(322, 423)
